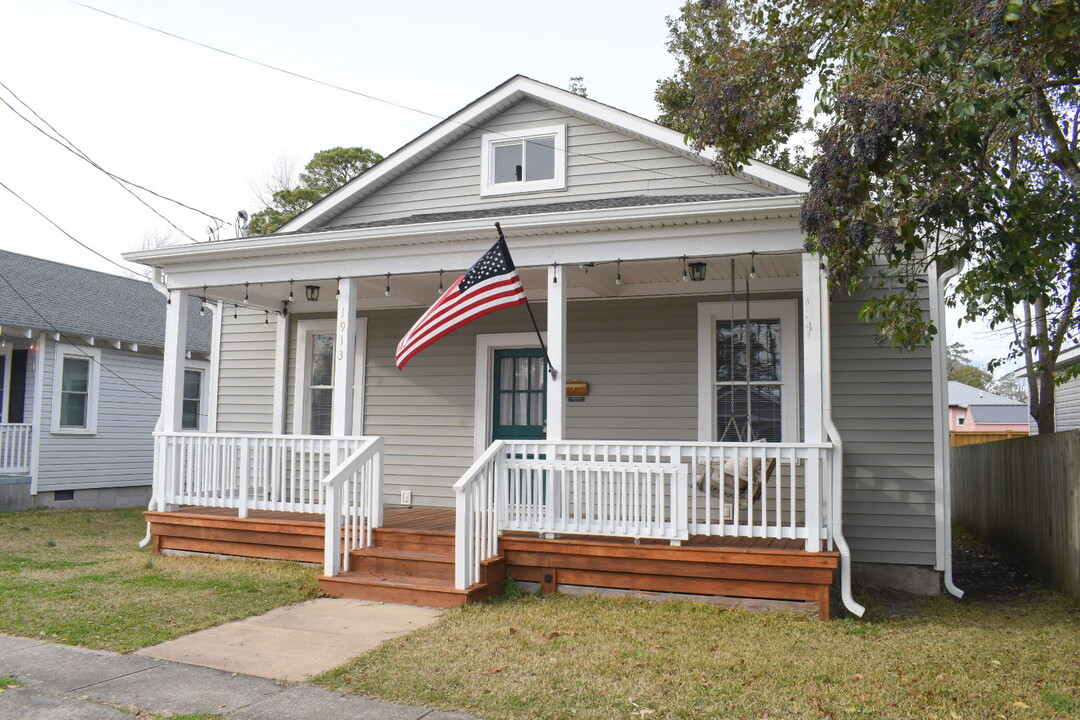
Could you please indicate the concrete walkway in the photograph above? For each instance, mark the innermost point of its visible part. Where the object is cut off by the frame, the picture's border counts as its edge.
(298, 641)
(68, 683)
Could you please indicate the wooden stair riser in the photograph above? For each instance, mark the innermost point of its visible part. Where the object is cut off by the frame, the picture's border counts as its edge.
(401, 564)
(396, 540)
(349, 587)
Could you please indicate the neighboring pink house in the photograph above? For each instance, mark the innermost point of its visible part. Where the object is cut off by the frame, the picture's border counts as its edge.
(975, 410)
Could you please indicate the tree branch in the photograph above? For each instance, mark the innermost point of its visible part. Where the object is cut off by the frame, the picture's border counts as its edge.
(1062, 155)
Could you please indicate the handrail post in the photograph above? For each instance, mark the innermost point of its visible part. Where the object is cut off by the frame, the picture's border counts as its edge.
(245, 484)
(332, 529)
(463, 540)
(377, 485)
(812, 513)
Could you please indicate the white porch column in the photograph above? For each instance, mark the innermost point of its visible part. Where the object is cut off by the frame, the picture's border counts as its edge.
(556, 346)
(344, 358)
(218, 309)
(172, 377)
(813, 398)
(281, 369)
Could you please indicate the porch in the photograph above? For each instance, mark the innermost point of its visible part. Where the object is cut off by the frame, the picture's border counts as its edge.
(737, 520)
(15, 447)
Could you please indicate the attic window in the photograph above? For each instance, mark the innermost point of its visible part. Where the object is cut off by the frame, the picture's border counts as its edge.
(518, 161)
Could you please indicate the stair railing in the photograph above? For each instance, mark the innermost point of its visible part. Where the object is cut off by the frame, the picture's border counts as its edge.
(353, 493)
(476, 532)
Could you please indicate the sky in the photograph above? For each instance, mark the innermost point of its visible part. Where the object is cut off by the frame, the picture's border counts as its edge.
(204, 128)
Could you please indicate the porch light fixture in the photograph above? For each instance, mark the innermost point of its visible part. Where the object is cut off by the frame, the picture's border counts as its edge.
(697, 271)
(618, 272)
(311, 292)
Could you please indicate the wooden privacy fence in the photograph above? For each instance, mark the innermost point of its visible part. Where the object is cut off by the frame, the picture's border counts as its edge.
(972, 438)
(1022, 497)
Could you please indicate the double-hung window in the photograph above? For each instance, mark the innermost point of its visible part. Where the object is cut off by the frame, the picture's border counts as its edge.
(75, 390)
(518, 161)
(192, 404)
(733, 407)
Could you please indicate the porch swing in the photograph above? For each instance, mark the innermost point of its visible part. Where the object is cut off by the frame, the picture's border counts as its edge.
(740, 477)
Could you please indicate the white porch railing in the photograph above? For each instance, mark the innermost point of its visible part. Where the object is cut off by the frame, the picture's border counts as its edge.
(662, 491)
(248, 472)
(15, 448)
(353, 504)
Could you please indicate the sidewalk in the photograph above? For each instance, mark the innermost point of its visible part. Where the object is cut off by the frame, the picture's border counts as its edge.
(68, 683)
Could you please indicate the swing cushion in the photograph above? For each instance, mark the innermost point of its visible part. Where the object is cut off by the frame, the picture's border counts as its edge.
(749, 477)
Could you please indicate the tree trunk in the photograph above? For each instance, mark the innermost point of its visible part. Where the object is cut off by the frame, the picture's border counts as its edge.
(1045, 417)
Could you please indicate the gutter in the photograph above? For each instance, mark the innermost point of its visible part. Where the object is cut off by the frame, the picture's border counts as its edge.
(836, 505)
(942, 412)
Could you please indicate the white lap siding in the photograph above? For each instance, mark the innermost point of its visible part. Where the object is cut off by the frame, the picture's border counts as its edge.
(601, 163)
(883, 408)
(246, 380)
(121, 452)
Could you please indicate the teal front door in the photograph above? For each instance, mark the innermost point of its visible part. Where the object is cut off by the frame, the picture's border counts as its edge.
(519, 395)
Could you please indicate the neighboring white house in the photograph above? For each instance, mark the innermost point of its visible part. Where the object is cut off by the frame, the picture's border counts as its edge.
(80, 377)
(1067, 395)
(626, 242)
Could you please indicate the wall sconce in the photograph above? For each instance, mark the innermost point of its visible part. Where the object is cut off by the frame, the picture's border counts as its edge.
(311, 292)
(697, 271)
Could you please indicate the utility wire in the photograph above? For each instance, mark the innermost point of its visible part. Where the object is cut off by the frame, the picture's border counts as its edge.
(51, 222)
(68, 145)
(368, 96)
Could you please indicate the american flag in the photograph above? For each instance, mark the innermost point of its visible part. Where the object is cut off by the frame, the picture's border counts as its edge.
(491, 284)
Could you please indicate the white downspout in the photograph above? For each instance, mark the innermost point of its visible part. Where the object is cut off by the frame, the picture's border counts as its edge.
(836, 510)
(157, 281)
(941, 412)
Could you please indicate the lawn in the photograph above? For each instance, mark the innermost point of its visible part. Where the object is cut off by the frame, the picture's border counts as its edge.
(591, 657)
(78, 577)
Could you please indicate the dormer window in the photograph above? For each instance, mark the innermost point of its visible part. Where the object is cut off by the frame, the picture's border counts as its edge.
(519, 161)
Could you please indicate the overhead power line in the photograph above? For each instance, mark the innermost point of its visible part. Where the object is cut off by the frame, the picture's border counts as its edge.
(48, 219)
(70, 146)
(375, 98)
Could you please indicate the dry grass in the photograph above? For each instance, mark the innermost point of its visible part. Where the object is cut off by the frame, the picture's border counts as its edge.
(591, 657)
(78, 577)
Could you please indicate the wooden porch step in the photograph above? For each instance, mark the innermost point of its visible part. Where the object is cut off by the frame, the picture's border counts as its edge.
(433, 564)
(425, 592)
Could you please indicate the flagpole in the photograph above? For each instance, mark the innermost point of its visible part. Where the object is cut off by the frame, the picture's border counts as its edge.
(536, 327)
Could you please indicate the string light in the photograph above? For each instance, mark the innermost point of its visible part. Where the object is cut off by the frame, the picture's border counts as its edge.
(202, 305)
(387, 284)
(555, 275)
(245, 293)
(290, 291)
(753, 272)
(685, 274)
(337, 294)
(267, 314)
(234, 312)
(618, 272)
(440, 282)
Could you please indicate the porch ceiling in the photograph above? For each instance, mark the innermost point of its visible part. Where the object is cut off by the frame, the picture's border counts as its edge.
(640, 278)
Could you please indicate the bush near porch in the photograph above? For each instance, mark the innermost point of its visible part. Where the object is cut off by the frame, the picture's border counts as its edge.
(79, 577)
(1012, 652)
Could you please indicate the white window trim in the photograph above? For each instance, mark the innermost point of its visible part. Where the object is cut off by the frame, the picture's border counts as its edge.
(488, 187)
(93, 388)
(786, 311)
(304, 330)
(486, 345)
(204, 393)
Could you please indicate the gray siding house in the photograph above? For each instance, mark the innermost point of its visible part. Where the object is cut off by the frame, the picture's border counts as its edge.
(708, 390)
(80, 382)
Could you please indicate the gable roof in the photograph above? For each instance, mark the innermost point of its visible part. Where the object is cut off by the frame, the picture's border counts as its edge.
(961, 395)
(473, 117)
(77, 301)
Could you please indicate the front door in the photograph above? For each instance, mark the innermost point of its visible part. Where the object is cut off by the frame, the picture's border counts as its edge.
(519, 395)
